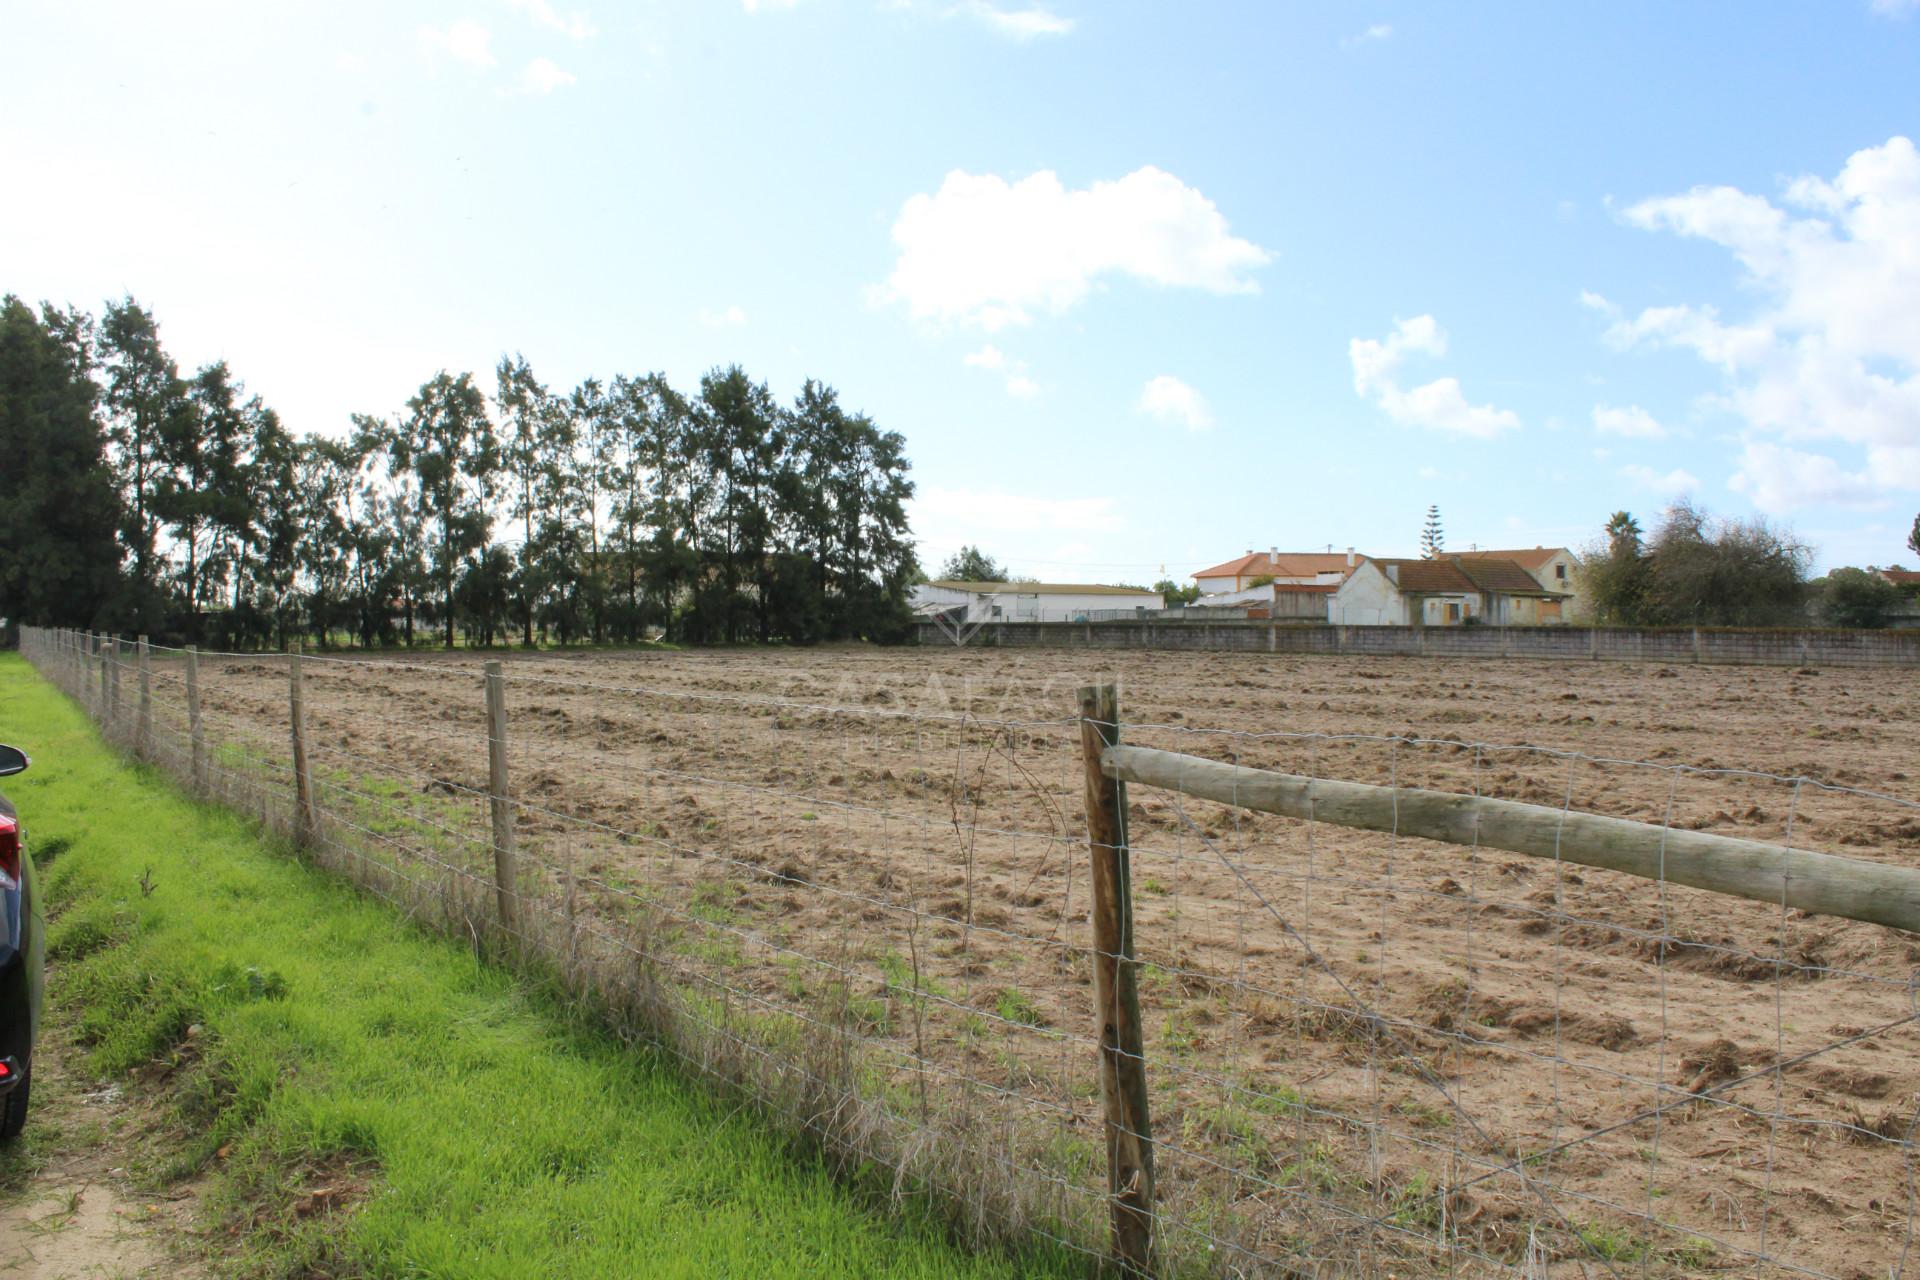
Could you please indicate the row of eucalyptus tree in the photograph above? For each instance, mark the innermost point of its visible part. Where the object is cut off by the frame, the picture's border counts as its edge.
(614, 510)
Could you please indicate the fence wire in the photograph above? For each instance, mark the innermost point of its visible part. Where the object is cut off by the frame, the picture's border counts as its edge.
(861, 904)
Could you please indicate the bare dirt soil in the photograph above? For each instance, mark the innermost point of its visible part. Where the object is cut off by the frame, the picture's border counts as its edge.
(79, 1215)
(1341, 1026)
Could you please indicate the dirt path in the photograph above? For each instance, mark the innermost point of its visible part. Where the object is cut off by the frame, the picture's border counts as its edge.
(77, 1213)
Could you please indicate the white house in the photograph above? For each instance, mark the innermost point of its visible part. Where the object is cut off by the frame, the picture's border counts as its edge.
(1368, 598)
(1554, 568)
(1445, 592)
(1030, 601)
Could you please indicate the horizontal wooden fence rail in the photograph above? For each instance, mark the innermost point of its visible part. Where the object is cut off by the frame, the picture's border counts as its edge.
(1823, 883)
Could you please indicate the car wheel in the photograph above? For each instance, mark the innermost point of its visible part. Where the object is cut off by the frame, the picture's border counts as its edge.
(13, 1106)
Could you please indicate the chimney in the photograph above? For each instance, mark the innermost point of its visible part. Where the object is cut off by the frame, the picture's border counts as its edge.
(1273, 553)
(1349, 557)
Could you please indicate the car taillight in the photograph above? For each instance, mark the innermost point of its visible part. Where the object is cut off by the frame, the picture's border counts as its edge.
(9, 852)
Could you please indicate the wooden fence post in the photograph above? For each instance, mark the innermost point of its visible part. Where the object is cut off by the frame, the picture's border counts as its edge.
(303, 822)
(1116, 991)
(503, 851)
(143, 727)
(113, 684)
(194, 731)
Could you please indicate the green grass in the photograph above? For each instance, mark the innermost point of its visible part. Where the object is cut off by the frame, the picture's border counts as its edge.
(320, 1043)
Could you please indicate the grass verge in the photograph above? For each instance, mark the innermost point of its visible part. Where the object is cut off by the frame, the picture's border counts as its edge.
(368, 1100)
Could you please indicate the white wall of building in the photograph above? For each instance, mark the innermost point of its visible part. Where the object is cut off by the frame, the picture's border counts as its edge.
(1367, 599)
(1015, 605)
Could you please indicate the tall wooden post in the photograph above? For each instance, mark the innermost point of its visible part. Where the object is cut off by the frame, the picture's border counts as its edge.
(503, 850)
(195, 733)
(1116, 991)
(143, 727)
(113, 685)
(303, 820)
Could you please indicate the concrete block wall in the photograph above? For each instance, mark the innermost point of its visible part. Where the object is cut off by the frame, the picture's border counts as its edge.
(1731, 646)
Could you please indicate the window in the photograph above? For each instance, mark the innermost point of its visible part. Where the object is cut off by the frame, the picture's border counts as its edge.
(1560, 572)
(1453, 612)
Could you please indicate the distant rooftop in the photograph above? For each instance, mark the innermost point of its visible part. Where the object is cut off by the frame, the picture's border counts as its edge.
(1042, 588)
(1530, 560)
(1281, 564)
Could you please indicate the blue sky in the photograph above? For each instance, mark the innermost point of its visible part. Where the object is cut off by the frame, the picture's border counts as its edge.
(1142, 284)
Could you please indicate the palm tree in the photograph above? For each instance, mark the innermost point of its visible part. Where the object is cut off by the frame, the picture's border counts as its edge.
(1623, 533)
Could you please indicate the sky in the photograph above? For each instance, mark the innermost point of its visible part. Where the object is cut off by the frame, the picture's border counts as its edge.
(1144, 285)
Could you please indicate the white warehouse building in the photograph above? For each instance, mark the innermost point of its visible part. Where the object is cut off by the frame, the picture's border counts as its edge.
(1030, 601)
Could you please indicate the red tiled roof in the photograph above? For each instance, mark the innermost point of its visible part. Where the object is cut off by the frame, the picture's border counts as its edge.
(1902, 577)
(1503, 576)
(1529, 559)
(1428, 575)
(1287, 564)
(1466, 573)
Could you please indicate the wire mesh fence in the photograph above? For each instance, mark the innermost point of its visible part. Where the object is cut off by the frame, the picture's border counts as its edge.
(864, 907)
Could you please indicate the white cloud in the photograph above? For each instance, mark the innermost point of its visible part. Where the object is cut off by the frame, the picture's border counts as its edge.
(1631, 421)
(1440, 404)
(1595, 302)
(1018, 24)
(542, 76)
(766, 6)
(731, 317)
(987, 252)
(1171, 400)
(1779, 479)
(351, 63)
(1377, 31)
(1831, 350)
(1672, 483)
(1019, 385)
(574, 25)
(466, 42)
(1895, 8)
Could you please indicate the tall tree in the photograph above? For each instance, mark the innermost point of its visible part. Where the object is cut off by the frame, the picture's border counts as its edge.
(971, 564)
(740, 431)
(591, 440)
(1732, 573)
(1697, 571)
(875, 552)
(59, 558)
(266, 598)
(1433, 539)
(447, 443)
(1913, 539)
(200, 494)
(678, 485)
(143, 390)
(528, 415)
(1614, 574)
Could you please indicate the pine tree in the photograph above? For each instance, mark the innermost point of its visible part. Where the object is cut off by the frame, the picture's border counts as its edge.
(59, 559)
(1433, 539)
